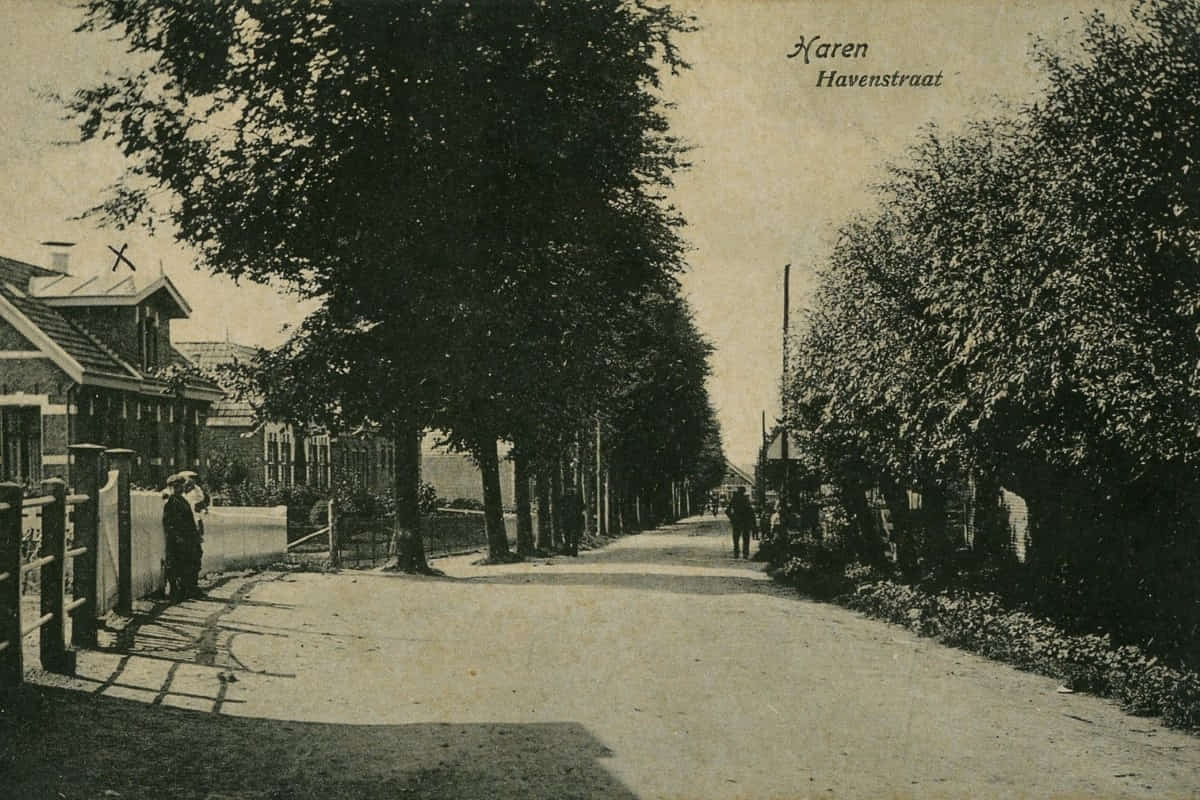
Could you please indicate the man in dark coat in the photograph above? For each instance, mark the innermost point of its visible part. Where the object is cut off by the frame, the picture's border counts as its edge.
(179, 525)
(741, 517)
(572, 520)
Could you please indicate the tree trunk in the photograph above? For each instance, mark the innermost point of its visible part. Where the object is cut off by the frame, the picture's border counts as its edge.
(545, 523)
(902, 528)
(521, 497)
(867, 545)
(407, 544)
(601, 512)
(989, 526)
(493, 508)
(556, 490)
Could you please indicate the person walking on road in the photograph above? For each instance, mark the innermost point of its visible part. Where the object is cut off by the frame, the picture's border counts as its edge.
(572, 520)
(741, 517)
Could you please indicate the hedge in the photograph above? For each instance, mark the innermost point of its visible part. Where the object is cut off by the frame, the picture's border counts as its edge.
(979, 622)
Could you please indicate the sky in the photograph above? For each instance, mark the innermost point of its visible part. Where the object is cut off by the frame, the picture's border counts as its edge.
(777, 162)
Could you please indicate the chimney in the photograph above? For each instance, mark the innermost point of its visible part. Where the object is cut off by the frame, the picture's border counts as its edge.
(59, 255)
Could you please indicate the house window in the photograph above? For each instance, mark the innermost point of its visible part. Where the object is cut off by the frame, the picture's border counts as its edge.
(272, 457)
(148, 337)
(324, 468)
(286, 461)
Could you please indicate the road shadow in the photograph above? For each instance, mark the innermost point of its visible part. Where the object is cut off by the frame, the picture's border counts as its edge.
(673, 551)
(717, 584)
(58, 743)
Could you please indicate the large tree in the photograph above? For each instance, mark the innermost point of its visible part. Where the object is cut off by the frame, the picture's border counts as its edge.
(426, 171)
(1025, 306)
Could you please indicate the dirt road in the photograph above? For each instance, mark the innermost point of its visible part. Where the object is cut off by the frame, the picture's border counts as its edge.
(658, 667)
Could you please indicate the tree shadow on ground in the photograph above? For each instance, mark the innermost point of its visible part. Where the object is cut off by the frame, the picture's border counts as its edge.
(644, 581)
(58, 743)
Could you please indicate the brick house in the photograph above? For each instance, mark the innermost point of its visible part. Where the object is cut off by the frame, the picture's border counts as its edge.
(282, 455)
(80, 361)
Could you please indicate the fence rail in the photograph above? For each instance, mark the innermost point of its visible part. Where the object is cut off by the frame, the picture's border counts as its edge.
(51, 568)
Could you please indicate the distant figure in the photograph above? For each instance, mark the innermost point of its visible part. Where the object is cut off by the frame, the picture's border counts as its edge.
(572, 520)
(776, 523)
(741, 517)
(179, 527)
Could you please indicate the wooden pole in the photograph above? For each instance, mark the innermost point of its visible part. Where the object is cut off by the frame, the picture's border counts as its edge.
(12, 665)
(87, 472)
(601, 513)
(53, 642)
(787, 272)
(608, 504)
(335, 545)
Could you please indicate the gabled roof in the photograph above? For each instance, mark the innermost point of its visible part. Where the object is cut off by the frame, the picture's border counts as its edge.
(210, 355)
(228, 411)
(737, 472)
(83, 357)
(105, 289)
(74, 351)
(775, 449)
(20, 273)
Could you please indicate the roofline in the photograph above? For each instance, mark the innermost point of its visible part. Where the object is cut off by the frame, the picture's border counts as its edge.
(25, 326)
(76, 372)
(738, 471)
(119, 300)
(108, 351)
(216, 422)
(151, 386)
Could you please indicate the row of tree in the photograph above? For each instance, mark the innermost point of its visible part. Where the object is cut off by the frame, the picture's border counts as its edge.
(1023, 309)
(471, 194)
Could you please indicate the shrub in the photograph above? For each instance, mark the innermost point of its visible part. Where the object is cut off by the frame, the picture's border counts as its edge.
(980, 622)
(466, 503)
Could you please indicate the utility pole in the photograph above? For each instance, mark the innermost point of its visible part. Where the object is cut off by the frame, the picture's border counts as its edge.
(601, 517)
(787, 273)
(760, 478)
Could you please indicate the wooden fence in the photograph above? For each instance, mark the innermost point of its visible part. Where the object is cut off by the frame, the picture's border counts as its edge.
(55, 554)
(353, 540)
(105, 552)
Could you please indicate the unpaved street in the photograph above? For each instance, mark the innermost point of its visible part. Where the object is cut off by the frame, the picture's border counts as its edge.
(657, 667)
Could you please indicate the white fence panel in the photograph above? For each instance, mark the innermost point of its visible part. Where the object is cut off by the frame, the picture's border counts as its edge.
(149, 544)
(241, 536)
(106, 554)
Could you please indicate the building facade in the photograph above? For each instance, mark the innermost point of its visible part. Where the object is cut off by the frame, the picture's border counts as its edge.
(88, 359)
(279, 455)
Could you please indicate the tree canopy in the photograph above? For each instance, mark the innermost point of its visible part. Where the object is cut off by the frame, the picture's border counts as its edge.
(1023, 306)
(473, 193)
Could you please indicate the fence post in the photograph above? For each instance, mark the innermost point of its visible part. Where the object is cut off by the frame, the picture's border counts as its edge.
(12, 665)
(335, 546)
(87, 472)
(52, 642)
(121, 460)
